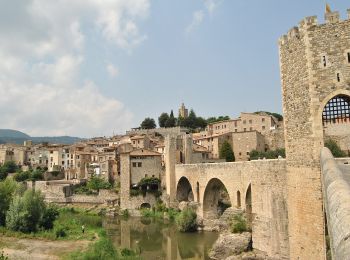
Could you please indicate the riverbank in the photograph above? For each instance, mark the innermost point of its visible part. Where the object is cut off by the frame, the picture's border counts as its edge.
(28, 249)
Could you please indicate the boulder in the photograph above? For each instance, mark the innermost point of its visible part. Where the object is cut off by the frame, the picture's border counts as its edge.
(230, 244)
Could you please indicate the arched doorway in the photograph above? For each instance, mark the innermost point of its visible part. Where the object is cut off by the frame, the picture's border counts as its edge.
(238, 199)
(216, 199)
(248, 205)
(336, 124)
(184, 190)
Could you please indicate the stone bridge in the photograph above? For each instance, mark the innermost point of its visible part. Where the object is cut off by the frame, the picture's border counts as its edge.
(336, 187)
(258, 187)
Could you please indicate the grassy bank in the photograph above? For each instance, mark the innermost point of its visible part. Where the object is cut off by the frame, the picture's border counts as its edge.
(66, 227)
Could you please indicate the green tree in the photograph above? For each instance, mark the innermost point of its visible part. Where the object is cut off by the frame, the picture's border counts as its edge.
(226, 152)
(171, 122)
(201, 122)
(97, 183)
(180, 121)
(7, 191)
(334, 148)
(162, 119)
(25, 213)
(186, 221)
(148, 123)
(8, 167)
(50, 215)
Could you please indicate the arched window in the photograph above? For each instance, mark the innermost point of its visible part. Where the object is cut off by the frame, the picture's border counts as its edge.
(337, 110)
(238, 199)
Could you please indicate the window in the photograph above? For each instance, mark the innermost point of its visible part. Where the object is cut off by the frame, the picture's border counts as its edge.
(235, 123)
(348, 57)
(245, 129)
(139, 164)
(337, 110)
(62, 162)
(250, 121)
(251, 129)
(134, 164)
(247, 153)
(338, 77)
(263, 127)
(262, 119)
(244, 122)
(240, 153)
(236, 130)
(324, 61)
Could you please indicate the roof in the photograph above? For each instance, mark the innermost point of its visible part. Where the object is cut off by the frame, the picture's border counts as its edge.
(137, 137)
(144, 152)
(199, 148)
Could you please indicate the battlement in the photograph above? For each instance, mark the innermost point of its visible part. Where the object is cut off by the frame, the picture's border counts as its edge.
(308, 22)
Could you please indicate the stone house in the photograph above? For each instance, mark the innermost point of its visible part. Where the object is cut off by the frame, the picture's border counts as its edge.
(145, 163)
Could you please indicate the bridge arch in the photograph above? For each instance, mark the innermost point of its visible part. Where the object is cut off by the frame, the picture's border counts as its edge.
(215, 199)
(184, 191)
(249, 205)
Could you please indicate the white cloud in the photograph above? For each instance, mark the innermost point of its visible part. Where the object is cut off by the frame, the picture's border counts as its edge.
(112, 70)
(42, 49)
(197, 19)
(199, 15)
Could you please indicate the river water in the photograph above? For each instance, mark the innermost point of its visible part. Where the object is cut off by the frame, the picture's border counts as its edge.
(158, 239)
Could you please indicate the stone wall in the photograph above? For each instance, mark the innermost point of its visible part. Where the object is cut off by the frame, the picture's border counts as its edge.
(274, 139)
(145, 167)
(336, 198)
(312, 56)
(267, 179)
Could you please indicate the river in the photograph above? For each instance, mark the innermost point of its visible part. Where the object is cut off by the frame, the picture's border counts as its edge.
(158, 239)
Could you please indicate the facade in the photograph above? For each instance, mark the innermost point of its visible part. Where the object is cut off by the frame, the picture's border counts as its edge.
(145, 163)
(245, 142)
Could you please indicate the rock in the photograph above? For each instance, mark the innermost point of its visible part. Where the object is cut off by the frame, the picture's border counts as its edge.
(252, 255)
(183, 205)
(230, 244)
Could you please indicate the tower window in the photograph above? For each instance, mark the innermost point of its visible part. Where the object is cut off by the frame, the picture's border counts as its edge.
(348, 57)
(338, 77)
(324, 61)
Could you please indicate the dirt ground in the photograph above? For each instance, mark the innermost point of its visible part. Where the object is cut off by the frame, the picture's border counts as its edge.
(25, 249)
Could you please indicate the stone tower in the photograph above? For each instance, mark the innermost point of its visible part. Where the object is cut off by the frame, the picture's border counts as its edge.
(315, 67)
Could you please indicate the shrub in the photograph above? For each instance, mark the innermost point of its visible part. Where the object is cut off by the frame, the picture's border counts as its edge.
(3, 256)
(96, 183)
(255, 155)
(186, 221)
(25, 213)
(334, 148)
(125, 213)
(7, 191)
(21, 176)
(239, 224)
(226, 152)
(50, 215)
(60, 231)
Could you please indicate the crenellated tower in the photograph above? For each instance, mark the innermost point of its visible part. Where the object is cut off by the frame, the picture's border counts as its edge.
(315, 68)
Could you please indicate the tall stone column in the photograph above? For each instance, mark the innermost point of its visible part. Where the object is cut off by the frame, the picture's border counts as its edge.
(170, 160)
(188, 148)
(124, 180)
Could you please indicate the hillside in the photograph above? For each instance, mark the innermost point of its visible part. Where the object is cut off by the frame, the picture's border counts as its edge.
(17, 137)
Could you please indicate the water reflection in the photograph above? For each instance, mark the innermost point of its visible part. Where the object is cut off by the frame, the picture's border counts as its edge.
(159, 239)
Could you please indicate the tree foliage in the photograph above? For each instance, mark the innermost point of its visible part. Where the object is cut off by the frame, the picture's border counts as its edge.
(148, 123)
(186, 221)
(214, 119)
(7, 191)
(171, 122)
(226, 152)
(97, 183)
(334, 148)
(278, 116)
(273, 154)
(162, 119)
(6, 168)
(26, 212)
(31, 175)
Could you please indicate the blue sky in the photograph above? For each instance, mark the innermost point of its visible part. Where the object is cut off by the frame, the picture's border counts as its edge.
(89, 68)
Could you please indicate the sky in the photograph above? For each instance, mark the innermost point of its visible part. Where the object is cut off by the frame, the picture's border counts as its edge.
(99, 67)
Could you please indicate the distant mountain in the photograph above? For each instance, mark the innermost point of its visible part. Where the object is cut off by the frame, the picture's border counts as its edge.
(17, 137)
(12, 134)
